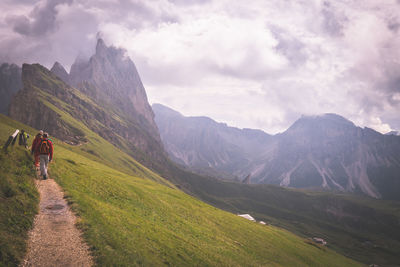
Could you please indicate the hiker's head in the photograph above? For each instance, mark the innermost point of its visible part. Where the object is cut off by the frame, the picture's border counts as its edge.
(41, 132)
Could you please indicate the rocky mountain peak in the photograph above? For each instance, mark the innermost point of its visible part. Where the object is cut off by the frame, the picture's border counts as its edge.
(60, 71)
(165, 111)
(110, 78)
(57, 65)
(322, 125)
(100, 46)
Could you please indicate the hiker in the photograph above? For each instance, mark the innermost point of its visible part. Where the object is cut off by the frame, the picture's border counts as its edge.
(23, 139)
(35, 142)
(45, 149)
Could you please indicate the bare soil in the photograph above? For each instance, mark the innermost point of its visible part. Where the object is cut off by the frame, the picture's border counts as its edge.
(54, 239)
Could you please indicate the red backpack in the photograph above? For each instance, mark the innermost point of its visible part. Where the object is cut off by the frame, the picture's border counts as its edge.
(44, 148)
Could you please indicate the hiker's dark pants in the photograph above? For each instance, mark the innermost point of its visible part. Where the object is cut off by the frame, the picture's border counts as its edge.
(44, 162)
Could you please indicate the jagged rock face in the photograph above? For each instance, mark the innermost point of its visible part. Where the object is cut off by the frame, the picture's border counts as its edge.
(205, 145)
(324, 152)
(60, 71)
(112, 79)
(10, 84)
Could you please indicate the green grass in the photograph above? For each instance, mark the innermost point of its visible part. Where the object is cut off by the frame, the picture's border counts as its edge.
(359, 227)
(18, 200)
(138, 221)
(133, 220)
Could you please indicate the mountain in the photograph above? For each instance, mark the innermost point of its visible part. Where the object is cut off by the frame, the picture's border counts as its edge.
(206, 146)
(10, 84)
(325, 152)
(110, 77)
(330, 152)
(60, 71)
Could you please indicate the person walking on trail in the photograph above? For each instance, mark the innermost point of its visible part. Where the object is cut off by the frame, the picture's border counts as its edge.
(34, 152)
(45, 148)
(23, 139)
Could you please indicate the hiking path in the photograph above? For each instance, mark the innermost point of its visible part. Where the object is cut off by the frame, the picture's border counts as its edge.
(54, 239)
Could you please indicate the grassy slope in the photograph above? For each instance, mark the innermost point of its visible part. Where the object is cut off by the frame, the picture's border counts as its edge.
(132, 220)
(18, 200)
(365, 229)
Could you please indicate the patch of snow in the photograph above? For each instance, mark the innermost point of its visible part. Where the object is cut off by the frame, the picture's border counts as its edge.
(247, 216)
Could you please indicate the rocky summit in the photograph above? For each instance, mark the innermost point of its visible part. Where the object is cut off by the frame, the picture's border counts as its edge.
(326, 152)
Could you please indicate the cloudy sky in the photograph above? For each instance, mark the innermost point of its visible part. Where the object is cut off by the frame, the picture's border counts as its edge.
(255, 64)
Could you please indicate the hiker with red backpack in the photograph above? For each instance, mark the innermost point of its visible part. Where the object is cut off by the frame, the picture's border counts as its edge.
(45, 150)
(34, 152)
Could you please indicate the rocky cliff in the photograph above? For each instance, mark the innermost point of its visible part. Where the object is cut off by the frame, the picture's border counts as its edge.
(10, 84)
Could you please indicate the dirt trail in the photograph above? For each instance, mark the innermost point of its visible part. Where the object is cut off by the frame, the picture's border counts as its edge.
(54, 239)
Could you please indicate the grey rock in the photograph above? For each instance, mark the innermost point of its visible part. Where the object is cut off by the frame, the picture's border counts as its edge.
(10, 84)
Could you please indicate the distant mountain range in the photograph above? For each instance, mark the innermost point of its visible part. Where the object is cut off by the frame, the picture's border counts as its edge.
(326, 152)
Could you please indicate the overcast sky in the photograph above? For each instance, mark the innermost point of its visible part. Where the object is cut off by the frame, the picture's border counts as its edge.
(254, 64)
